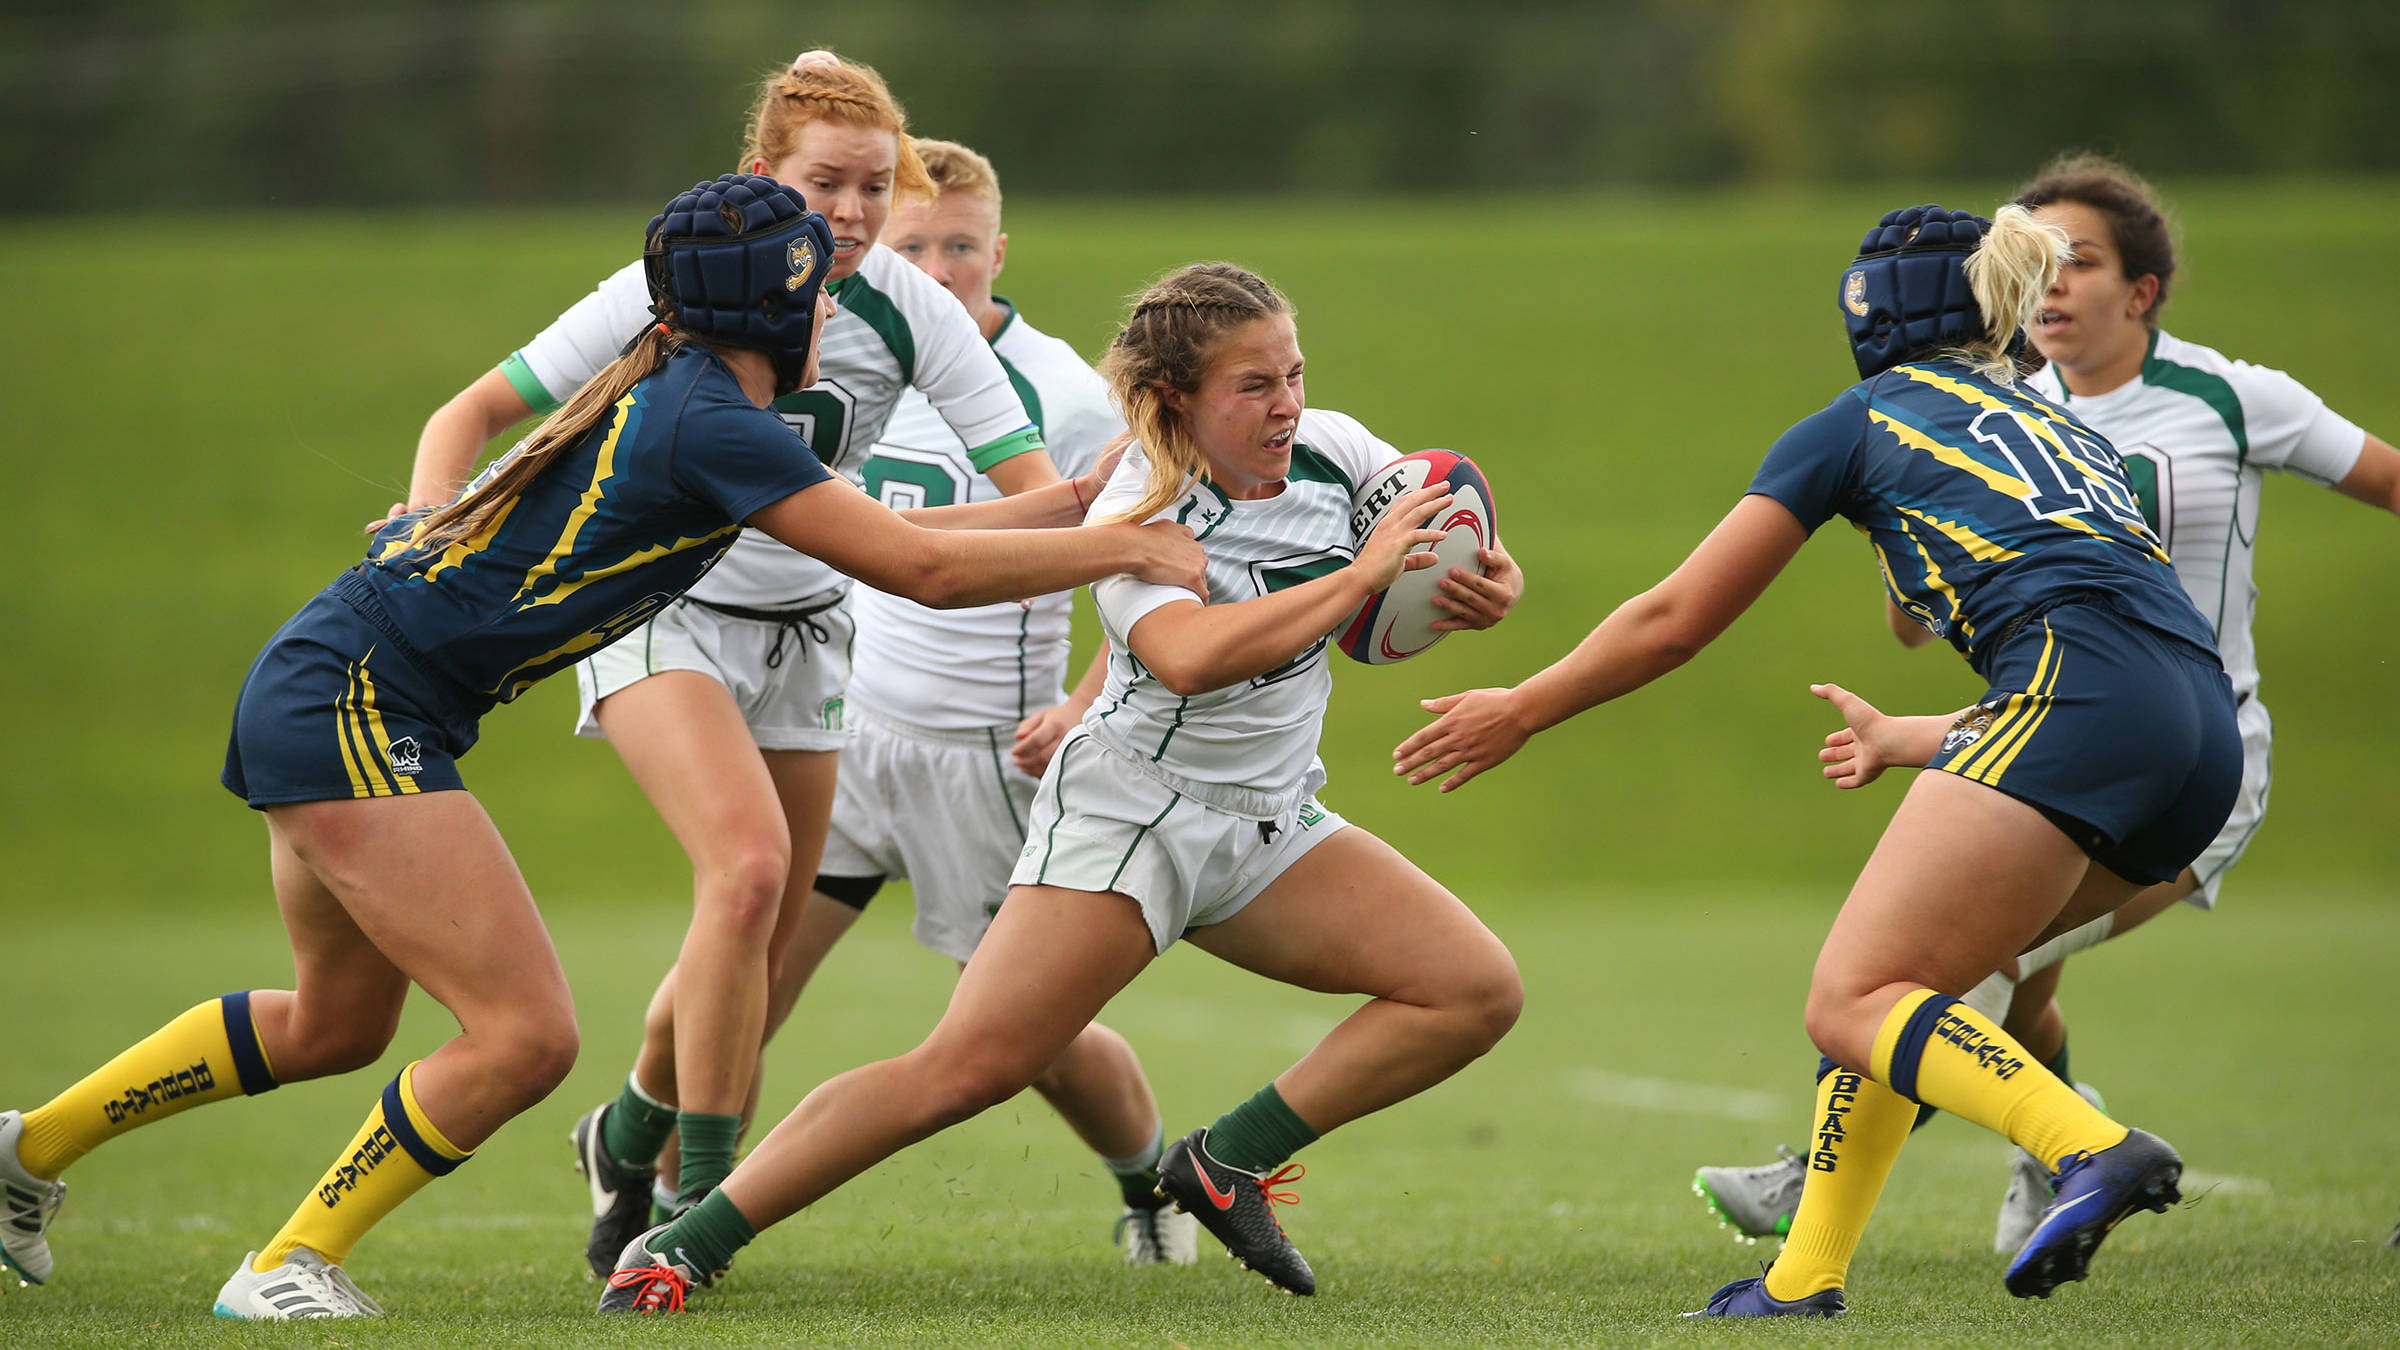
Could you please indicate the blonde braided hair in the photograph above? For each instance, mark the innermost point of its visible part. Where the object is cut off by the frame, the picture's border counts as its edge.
(1165, 347)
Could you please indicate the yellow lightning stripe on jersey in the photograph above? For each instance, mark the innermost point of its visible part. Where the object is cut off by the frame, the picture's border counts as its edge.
(603, 465)
(1933, 576)
(2040, 427)
(581, 642)
(2017, 722)
(630, 561)
(2007, 484)
(458, 550)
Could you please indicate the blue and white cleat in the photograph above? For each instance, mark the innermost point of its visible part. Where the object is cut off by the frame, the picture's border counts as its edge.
(2095, 1193)
(1749, 1298)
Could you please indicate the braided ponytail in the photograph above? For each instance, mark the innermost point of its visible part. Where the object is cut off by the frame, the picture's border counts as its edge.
(819, 86)
(1165, 346)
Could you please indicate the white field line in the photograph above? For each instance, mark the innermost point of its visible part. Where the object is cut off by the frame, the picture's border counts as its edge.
(2220, 1183)
(1609, 1088)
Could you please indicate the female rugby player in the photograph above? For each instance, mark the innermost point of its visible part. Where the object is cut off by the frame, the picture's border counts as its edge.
(346, 735)
(955, 713)
(728, 707)
(2107, 736)
(1184, 807)
(2198, 433)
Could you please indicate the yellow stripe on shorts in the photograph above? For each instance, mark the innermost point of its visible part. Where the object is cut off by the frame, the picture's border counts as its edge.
(2011, 719)
(354, 734)
(383, 738)
(2001, 751)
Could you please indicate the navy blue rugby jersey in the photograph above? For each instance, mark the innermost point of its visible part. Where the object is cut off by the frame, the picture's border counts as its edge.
(621, 523)
(1984, 503)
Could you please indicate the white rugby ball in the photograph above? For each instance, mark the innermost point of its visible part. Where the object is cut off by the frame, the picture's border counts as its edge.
(1397, 623)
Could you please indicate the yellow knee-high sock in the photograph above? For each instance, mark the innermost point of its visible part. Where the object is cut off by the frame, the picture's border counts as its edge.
(394, 1154)
(206, 1055)
(1941, 1052)
(1861, 1126)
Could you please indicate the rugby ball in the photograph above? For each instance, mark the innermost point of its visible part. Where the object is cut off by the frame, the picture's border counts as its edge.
(1396, 623)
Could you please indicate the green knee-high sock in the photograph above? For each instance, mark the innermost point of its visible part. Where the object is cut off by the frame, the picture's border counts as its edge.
(708, 1142)
(636, 1128)
(1259, 1134)
(706, 1237)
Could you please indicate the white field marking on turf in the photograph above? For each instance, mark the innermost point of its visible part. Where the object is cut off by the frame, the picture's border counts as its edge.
(2221, 1183)
(1689, 1099)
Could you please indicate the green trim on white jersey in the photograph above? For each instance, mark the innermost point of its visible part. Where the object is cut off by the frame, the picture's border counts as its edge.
(2198, 432)
(893, 329)
(988, 666)
(1251, 748)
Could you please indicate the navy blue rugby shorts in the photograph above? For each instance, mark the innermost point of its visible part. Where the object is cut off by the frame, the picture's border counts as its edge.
(332, 710)
(2123, 736)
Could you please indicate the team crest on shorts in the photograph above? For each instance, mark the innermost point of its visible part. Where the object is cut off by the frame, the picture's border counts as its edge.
(1854, 293)
(406, 756)
(1969, 727)
(804, 264)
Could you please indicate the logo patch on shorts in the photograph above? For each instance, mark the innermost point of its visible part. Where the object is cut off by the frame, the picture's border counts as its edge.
(1969, 727)
(832, 713)
(406, 756)
(1311, 815)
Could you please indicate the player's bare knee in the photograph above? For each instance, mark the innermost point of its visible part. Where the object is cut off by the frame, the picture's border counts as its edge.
(964, 1085)
(743, 894)
(1834, 1022)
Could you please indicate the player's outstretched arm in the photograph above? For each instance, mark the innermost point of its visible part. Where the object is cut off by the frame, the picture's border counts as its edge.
(1029, 506)
(1192, 649)
(1644, 638)
(2375, 478)
(948, 569)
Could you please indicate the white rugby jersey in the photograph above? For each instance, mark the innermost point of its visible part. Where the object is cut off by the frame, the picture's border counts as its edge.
(1250, 749)
(2198, 432)
(894, 328)
(991, 665)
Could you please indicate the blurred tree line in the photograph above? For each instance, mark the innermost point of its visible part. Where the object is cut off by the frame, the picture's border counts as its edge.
(264, 102)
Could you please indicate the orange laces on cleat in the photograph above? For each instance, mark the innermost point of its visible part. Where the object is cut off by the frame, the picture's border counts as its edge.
(647, 1281)
(1291, 1172)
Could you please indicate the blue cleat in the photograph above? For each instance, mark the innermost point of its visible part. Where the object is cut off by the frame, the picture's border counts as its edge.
(1749, 1298)
(2095, 1193)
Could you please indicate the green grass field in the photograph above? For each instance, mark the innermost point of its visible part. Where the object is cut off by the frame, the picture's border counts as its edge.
(1539, 1198)
(203, 409)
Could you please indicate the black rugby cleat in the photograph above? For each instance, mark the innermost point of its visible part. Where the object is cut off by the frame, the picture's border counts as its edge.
(1239, 1208)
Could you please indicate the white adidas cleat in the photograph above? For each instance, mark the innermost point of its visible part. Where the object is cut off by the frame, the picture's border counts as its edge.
(304, 1287)
(2031, 1188)
(27, 1205)
(1165, 1236)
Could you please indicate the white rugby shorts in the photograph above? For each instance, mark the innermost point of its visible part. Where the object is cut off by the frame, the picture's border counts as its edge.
(945, 809)
(787, 680)
(1100, 824)
(2249, 806)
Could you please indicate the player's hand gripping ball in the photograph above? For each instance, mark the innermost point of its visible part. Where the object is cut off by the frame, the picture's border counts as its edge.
(1396, 623)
